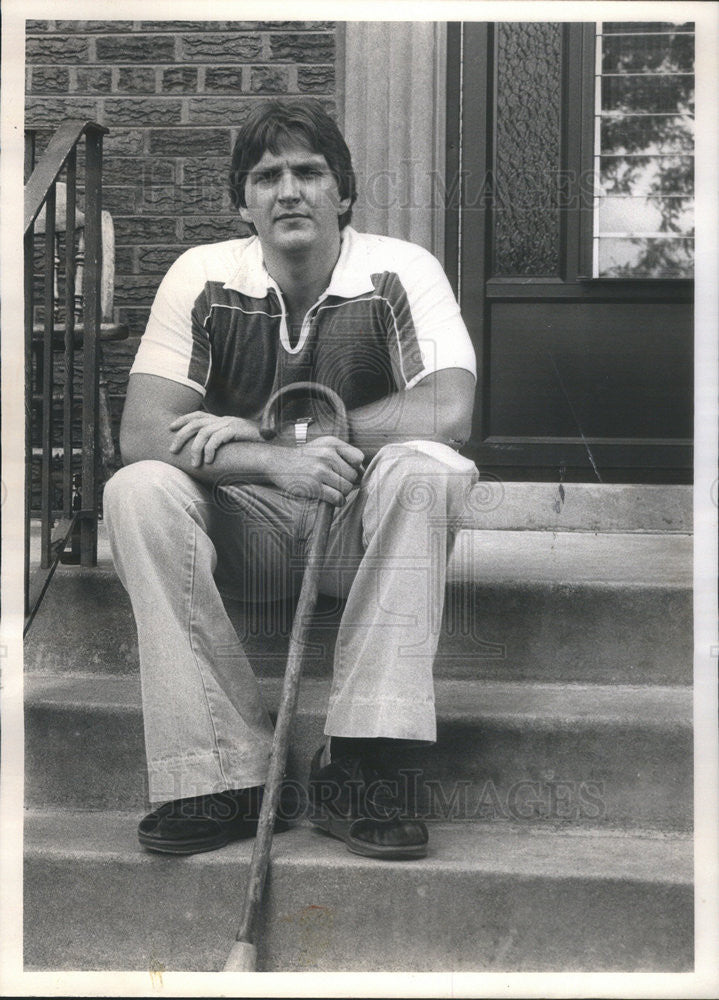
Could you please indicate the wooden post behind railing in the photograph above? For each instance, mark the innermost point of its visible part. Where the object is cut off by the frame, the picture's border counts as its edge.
(29, 163)
(92, 315)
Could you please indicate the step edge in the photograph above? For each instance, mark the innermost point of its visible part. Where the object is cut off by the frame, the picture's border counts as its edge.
(634, 699)
(318, 685)
(629, 839)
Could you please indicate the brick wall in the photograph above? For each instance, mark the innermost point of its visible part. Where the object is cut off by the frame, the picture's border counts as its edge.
(173, 94)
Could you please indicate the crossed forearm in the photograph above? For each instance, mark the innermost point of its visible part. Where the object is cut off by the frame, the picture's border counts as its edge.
(422, 412)
(327, 468)
(159, 424)
(245, 460)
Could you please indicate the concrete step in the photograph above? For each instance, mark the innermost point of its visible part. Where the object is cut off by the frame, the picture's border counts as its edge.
(568, 607)
(516, 506)
(587, 755)
(491, 898)
(603, 507)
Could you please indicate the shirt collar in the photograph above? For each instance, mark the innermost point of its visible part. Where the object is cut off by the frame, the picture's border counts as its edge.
(352, 274)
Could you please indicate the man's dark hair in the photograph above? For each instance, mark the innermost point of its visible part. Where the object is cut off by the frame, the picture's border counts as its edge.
(271, 125)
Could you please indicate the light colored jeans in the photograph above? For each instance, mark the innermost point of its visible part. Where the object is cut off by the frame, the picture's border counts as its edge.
(178, 546)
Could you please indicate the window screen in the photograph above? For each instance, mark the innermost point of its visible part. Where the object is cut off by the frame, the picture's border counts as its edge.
(644, 150)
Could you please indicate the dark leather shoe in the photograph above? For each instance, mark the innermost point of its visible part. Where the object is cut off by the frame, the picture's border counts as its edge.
(203, 823)
(352, 802)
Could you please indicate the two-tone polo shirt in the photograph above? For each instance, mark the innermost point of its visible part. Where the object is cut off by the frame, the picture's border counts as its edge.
(387, 319)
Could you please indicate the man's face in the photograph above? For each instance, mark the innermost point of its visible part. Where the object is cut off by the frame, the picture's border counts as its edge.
(293, 200)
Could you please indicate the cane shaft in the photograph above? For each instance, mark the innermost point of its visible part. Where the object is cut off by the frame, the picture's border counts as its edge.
(285, 717)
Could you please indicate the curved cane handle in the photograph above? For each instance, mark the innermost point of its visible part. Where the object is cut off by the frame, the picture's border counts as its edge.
(268, 423)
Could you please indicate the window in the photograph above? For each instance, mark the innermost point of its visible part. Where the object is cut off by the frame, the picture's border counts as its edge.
(644, 151)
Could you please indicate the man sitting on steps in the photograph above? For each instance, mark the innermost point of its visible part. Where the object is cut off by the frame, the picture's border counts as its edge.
(204, 506)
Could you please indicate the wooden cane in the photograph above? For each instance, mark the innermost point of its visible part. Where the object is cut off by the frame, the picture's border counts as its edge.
(243, 955)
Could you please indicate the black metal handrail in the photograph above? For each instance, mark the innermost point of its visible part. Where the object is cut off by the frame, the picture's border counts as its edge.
(79, 494)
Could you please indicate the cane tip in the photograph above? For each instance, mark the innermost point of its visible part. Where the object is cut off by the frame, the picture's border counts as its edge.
(242, 958)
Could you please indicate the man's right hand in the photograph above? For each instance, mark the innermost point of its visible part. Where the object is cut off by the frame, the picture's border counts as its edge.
(327, 468)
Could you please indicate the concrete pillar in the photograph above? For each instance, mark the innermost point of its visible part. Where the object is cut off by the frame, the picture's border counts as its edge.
(394, 123)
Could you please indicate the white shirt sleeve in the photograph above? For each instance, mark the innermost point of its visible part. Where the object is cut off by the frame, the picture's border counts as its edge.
(441, 334)
(174, 344)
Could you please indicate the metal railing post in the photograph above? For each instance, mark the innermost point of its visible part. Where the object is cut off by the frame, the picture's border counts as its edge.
(29, 276)
(78, 503)
(69, 359)
(46, 487)
(90, 404)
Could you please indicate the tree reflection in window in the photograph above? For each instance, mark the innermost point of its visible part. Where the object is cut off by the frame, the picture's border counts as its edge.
(644, 144)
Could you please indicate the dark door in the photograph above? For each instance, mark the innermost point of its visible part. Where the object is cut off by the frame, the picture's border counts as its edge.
(585, 372)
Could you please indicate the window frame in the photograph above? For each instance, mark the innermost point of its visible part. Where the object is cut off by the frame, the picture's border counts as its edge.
(468, 140)
(581, 104)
